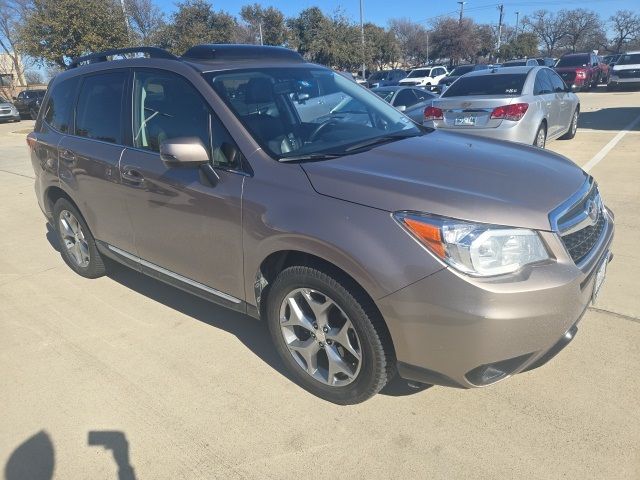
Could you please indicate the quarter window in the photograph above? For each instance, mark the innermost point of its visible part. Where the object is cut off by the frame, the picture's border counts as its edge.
(98, 115)
(60, 104)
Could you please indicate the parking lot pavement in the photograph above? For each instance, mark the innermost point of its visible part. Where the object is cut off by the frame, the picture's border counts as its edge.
(179, 388)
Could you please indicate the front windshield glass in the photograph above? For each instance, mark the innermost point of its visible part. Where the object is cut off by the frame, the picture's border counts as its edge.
(461, 70)
(632, 59)
(423, 72)
(573, 61)
(295, 112)
(386, 95)
(377, 76)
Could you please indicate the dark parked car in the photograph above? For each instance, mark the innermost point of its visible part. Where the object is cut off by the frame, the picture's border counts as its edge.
(28, 102)
(521, 62)
(410, 100)
(369, 248)
(456, 73)
(546, 62)
(385, 78)
(582, 71)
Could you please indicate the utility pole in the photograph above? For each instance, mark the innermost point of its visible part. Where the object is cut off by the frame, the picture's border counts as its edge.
(427, 47)
(461, 9)
(260, 30)
(517, 21)
(364, 67)
(501, 8)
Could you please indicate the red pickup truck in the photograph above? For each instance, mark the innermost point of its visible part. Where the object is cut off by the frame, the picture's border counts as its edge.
(582, 71)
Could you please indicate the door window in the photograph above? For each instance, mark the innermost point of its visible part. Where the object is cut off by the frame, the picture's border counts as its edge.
(557, 83)
(99, 110)
(542, 85)
(57, 111)
(406, 98)
(166, 106)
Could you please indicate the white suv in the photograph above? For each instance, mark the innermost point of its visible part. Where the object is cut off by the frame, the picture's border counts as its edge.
(626, 71)
(424, 76)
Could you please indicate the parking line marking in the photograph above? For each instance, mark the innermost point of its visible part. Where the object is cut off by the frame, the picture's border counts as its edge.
(609, 146)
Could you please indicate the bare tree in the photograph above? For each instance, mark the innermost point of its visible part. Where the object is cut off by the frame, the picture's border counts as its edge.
(145, 19)
(412, 40)
(10, 22)
(550, 28)
(626, 29)
(584, 30)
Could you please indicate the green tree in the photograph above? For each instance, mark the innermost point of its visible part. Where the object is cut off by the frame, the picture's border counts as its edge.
(145, 21)
(196, 22)
(58, 30)
(381, 46)
(270, 20)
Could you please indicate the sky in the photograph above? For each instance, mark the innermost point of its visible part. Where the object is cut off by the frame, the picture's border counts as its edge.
(380, 11)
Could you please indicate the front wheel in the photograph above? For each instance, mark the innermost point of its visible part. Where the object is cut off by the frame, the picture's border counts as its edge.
(573, 128)
(541, 136)
(329, 335)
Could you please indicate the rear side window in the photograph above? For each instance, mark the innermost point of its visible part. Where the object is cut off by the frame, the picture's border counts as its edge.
(542, 85)
(98, 114)
(60, 104)
(500, 84)
(557, 83)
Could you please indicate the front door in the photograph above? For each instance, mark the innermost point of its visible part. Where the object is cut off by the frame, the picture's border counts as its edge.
(186, 226)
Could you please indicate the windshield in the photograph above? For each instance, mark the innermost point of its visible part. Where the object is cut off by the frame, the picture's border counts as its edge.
(461, 70)
(423, 72)
(631, 59)
(386, 95)
(378, 76)
(574, 61)
(498, 84)
(293, 112)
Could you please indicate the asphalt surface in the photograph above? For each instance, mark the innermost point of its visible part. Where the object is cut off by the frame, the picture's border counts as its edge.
(124, 377)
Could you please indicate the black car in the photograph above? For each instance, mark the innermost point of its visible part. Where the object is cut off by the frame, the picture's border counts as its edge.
(28, 102)
(385, 78)
(546, 62)
(456, 73)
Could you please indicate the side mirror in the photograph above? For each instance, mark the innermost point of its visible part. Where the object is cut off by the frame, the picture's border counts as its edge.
(183, 151)
(302, 98)
(402, 108)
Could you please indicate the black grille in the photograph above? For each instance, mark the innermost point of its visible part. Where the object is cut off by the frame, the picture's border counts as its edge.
(568, 76)
(580, 243)
(629, 73)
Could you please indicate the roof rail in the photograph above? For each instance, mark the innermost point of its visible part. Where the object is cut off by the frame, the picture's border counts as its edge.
(230, 52)
(153, 52)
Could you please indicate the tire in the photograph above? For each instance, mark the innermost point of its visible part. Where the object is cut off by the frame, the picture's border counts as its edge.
(540, 141)
(67, 222)
(611, 88)
(573, 127)
(365, 334)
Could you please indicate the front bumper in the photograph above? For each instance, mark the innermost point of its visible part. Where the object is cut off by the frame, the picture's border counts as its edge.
(451, 329)
(9, 117)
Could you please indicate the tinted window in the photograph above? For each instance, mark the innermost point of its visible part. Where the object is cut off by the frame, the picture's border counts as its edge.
(422, 72)
(98, 114)
(60, 104)
(167, 106)
(422, 95)
(406, 98)
(573, 61)
(557, 83)
(500, 84)
(462, 70)
(542, 84)
(629, 59)
(515, 63)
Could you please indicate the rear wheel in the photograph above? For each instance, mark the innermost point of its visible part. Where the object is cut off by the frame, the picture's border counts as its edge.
(541, 136)
(573, 128)
(329, 335)
(77, 245)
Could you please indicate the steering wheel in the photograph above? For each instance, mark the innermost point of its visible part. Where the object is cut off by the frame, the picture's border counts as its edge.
(320, 129)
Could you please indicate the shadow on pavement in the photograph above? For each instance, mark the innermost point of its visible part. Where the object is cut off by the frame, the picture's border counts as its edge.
(251, 332)
(115, 441)
(613, 119)
(34, 459)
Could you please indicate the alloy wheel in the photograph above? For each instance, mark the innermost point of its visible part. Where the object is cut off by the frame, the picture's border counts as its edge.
(73, 238)
(320, 337)
(574, 123)
(541, 138)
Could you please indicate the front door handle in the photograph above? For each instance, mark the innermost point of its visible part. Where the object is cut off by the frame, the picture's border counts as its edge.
(131, 175)
(67, 156)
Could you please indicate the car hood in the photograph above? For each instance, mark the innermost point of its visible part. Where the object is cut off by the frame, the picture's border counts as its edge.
(454, 175)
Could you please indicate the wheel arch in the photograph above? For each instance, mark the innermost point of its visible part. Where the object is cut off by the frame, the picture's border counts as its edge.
(52, 195)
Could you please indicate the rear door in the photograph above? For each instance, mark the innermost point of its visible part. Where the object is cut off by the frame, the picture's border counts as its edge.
(186, 227)
(90, 156)
(565, 105)
(546, 99)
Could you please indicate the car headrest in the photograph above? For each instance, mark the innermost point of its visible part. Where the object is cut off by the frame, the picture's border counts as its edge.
(259, 90)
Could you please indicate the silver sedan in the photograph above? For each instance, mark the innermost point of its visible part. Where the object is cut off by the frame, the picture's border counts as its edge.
(529, 105)
(410, 100)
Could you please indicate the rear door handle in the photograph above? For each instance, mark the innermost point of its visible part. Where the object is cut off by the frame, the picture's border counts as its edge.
(131, 175)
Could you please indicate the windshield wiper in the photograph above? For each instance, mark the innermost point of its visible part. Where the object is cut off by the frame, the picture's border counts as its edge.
(309, 156)
(380, 140)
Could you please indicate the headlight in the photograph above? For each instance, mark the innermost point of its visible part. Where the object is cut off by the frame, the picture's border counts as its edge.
(474, 248)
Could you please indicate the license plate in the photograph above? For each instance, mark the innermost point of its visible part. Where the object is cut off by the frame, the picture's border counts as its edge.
(465, 121)
(600, 275)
